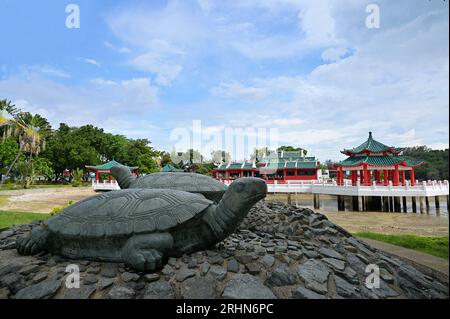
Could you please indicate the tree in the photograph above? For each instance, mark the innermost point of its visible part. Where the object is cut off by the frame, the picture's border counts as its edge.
(259, 153)
(9, 149)
(436, 162)
(291, 149)
(220, 156)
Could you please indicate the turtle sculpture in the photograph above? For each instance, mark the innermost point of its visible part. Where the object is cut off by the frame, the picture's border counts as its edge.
(143, 227)
(188, 182)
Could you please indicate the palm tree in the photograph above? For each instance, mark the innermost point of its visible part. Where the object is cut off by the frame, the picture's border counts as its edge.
(7, 112)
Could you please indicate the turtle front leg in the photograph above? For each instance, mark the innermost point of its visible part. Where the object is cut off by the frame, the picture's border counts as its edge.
(33, 242)
(146, 252)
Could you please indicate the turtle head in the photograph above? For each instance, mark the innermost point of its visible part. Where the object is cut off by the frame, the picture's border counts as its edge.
(123, 175)
(241, 195)
(246, 191)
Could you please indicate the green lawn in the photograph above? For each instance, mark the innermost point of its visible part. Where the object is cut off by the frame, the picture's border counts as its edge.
(8, 219)
(436, 246)
(9, 187)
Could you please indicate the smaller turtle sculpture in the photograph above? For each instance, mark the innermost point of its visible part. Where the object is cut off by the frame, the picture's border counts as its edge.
(143, 227)
(188, 182)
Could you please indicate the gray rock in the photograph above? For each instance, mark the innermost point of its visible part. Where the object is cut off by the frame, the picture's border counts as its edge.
(84, 292)
(184, 273)
(90, 280)
(281, 276)
(315, 275)
(167, 270)
(43, 290)
(159, 290)
(151, 277)
(39, 277)
(109, 272)
(330, 253)
(29, 269)
(121, 292)
(253, 268)
(344, 288)
(303, 293)
(13, 281)
(334, 263)
(199, 288)
(245, 286)
(218, 272)
(128, 276)
(268, 261)
(233, 266)
(104, 283)
(205, 268)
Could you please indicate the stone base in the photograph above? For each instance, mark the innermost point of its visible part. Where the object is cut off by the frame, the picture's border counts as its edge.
(279, 251)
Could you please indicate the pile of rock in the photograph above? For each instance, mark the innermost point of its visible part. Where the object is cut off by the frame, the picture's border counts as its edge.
(279, 251)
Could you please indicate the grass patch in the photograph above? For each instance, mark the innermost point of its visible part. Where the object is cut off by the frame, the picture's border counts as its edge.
(436, 246)
(8, 219)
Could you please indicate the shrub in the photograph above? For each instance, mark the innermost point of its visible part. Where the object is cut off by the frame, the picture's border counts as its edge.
(59, 209)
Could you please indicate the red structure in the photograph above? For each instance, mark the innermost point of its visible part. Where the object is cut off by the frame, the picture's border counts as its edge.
(106, 169)
(281, 166)
(373, 161)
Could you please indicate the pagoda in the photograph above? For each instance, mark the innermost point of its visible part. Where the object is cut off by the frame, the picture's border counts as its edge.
(106, 169)
(373, 161)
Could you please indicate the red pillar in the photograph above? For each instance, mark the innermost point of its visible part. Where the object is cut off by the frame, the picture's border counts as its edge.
(97, 176)
(377, 177)
(361, 177)
(354, 178)
(396, 181)
(403, 178)
(284, 173)
(366, 175)
(413, 179)
(386, 177)
(342, 176)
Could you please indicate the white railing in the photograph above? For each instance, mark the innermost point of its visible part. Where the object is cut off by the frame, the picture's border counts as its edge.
(105, 185)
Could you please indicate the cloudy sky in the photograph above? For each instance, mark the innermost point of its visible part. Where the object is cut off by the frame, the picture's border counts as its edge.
(310, 70)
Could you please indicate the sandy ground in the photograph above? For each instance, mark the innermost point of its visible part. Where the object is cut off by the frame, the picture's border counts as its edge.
(44, 200)
(390, 223)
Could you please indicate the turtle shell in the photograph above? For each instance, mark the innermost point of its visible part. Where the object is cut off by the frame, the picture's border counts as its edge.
(127, 212)
(188, 182)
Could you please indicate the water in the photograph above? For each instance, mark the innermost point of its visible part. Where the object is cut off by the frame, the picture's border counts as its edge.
(329, 203)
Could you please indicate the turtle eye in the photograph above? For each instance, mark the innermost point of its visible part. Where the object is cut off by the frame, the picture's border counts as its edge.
(239, 187)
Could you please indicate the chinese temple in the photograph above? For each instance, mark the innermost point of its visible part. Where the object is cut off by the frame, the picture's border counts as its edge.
(280, 166)
(373, 161)
(106, 169)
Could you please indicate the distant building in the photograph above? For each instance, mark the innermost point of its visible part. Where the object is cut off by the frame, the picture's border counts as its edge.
(280, 166)
(373, 161)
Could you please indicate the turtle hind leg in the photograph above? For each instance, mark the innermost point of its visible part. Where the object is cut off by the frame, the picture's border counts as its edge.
(147, 252)
(34, 242)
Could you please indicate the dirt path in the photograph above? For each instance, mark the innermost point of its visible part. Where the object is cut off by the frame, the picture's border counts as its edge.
(416, 257)
(41, 200)
(391, 223)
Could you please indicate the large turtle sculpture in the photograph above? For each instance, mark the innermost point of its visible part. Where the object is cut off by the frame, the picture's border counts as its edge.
(143, 227)
(188, 182)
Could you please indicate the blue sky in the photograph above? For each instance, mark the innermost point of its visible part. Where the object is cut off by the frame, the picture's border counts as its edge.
(312, 70)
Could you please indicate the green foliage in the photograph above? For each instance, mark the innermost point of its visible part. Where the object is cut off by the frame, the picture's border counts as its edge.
(9, 149)
(43, 167)
(288, 148)
(436, 246)
(59, 209)
(77, 177)
(8, 219)
(436, 166)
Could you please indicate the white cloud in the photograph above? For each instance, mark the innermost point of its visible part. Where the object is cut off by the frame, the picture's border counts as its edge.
(333, 54)
(91, 61)
(97, 102)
